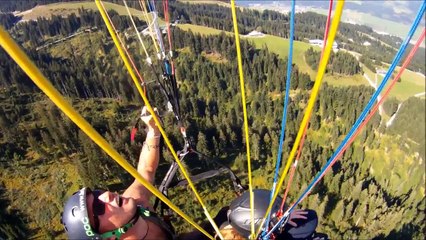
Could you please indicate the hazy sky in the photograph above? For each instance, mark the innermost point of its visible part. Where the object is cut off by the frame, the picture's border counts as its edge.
(400, 11)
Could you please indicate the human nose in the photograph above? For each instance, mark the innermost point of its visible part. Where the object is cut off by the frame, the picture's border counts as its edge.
(107, 197)
(111, 199)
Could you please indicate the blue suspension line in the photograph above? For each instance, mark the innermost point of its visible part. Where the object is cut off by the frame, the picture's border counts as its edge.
(284, 118)
(149, 3)
(363, 114)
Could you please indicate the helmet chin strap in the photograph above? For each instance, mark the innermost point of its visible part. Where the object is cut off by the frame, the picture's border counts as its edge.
(118, 232)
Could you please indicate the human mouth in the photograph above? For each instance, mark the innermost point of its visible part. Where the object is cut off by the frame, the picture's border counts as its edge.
(120, 201)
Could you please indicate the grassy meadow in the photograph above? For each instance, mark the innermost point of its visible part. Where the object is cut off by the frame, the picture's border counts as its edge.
(411, 84)
(223, 4)
(67, 8)
(201, 29)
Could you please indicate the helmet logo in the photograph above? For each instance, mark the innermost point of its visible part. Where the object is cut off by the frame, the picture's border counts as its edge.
(87, 227)
(85, 220)
(82, 200)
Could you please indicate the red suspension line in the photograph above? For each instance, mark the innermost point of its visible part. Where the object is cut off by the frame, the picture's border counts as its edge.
(299, 151)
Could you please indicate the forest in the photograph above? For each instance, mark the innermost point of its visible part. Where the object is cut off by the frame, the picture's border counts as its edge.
(376, 191)
(340, 62)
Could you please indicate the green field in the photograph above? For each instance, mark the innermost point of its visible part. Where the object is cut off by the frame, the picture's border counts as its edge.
(280, 46)
(370, 74)
(67, 8)
(410, 85)
(223, 4)
(414, 77)
(201, 29)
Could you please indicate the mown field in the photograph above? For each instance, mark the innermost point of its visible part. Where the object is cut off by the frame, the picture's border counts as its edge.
(200, 29)
(412, 83)
(67, 8)
(224, 4)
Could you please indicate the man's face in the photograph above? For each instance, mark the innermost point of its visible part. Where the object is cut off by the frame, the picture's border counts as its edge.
(108, 211)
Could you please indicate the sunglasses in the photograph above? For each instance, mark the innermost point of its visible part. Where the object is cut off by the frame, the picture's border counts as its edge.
(98, 207)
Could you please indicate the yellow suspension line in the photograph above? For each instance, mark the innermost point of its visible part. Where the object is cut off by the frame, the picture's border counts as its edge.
(148, 21)
(127, 53)
(311, 103)
(41, 81)
(150, 109)
(148, 59)
(243, 99)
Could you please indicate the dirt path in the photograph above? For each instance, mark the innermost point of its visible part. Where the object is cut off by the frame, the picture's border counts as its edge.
(374, 85)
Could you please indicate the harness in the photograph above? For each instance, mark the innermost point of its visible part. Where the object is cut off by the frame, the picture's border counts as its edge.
(147, 215)
(169, 182)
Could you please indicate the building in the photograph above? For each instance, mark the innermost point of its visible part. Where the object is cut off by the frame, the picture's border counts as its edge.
(255, 33)
(381, 71)
(366, 43)
(318, 42)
